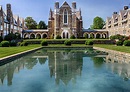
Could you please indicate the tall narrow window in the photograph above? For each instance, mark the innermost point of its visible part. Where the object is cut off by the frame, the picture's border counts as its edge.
(65, 16)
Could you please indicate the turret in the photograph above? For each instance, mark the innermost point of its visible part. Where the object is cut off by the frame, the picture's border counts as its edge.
(56, 5)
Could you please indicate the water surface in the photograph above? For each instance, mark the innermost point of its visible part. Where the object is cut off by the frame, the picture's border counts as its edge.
(65, 71)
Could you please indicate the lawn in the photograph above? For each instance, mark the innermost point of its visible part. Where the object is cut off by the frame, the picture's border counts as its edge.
(113, 47)
(6, 51)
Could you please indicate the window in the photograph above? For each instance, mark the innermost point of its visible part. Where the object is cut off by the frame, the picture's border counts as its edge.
(124, 31)
(65, 16)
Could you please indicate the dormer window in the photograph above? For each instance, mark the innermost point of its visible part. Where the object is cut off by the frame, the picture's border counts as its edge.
(65, 16)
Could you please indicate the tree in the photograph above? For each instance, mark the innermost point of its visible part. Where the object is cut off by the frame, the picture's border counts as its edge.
(42, 25)
(30, 23)
(98, 23)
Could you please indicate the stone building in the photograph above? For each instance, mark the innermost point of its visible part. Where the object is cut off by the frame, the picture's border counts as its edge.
(10, 23)
(119, 23)
(65, 21)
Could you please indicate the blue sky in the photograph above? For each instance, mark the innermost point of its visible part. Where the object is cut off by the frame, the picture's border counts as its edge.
(39, 9)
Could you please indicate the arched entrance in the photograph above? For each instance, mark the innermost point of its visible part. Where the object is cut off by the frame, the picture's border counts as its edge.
(98, 35)
(38, 36)
(104, 35)
(65, 34)
(91, 35)
(44, 36)
(86, 35)
(26, 36)
(32, 36)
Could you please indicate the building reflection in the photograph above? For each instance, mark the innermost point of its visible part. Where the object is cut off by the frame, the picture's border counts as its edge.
(118, 63)
(65, 66)
(8, 70)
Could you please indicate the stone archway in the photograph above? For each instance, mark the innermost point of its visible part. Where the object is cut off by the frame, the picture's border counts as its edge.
(98, 35)
(26, 36)
(38, 36)
(65, 34)
(32, 36)
(104, 35)
(92, 35)
(44, 36)
(86, 35)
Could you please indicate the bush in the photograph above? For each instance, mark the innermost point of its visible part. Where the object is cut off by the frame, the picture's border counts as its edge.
(10, 37)
(86, 42)
(44, 43)
(119, 43)
(67, 42)
(119, 37)
(72, 37)
(24, 44)
(19, 44)
(5, 43)
(126, 43)
(58, 37)
(13, 43)
(90, 42)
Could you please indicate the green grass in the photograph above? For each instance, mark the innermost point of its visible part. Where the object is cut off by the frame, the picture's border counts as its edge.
(7, 51)
(113, 47)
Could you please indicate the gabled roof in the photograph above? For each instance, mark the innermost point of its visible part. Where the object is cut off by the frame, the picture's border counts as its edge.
(115, 16)
(108, 19)
(65, 4)
(15, 17)
(122, 12)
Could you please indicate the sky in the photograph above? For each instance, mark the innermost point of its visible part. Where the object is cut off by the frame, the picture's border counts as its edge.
(39, 9)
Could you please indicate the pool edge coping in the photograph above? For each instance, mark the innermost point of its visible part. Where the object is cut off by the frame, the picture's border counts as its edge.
(18, 54)
(109, 50)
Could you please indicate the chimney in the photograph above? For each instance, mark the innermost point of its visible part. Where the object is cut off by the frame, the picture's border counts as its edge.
(114, 12)
(56, 5)
(126, 7)
(8, 7)
(74, 5)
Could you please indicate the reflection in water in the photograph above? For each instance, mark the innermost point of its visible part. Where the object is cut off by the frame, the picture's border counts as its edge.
(118, 63)
(67, 65)
(7, 71)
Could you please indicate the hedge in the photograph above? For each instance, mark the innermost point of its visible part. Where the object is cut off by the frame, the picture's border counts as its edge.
(5, 44)
(126, 43)
(67, 42)
(44, 43)
(119, 43)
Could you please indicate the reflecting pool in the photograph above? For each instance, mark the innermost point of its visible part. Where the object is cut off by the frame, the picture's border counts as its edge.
(54, 70)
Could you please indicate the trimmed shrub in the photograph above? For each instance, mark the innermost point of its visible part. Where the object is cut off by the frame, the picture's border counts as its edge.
(67, 42)
(126, 43)
(86, 42)
(24, 44)
(10, 37)
(19, 44)
(58, 37)
(89, 42)
(13, 43)
(72, 37)
(44, 43)
(119, 43)
(5, 43)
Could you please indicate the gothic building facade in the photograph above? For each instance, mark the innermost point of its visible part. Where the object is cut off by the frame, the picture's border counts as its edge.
(10, 23)
(65, 21)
